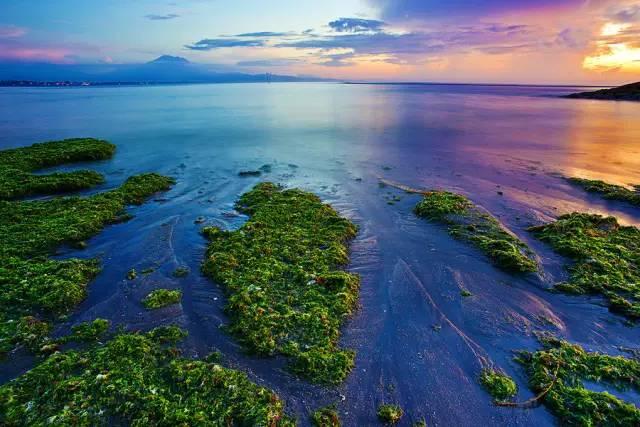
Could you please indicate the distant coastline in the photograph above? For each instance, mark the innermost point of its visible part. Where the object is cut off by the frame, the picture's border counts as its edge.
(630, 92)
(470, 84)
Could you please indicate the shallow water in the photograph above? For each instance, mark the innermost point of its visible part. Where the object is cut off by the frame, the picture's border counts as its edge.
(418, 342)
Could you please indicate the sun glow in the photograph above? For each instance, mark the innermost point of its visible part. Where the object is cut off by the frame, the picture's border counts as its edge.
(614, 56)
(614, 53)
(612, 29)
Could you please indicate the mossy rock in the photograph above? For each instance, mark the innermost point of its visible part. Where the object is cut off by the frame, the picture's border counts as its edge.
(31, 284)
(560, 369)
(468, 223)
(609, 191)
(285, 293)
(134, 379)
(390, 414)
(606, 255)
(326, 417)
(17, 165)
(162, 298)
(499, 385)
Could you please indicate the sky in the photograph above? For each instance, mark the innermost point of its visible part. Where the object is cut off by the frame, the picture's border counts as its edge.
(466, 41)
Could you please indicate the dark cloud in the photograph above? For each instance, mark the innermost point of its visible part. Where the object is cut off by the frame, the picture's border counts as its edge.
(210, 44)
(455, 9)
(166, 17)
(356, 25)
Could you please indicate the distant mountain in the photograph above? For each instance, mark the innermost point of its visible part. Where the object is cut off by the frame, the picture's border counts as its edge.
(164, 69)
(630, 92)
(168, 59)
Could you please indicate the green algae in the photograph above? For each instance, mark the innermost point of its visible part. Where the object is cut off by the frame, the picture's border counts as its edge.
(162, 298)
(468, 223)
(606, 255)
(558, 372)
(499, 385)
(31, 284)
(279, 270)
(326, 417)
(17, 165)
(89, 331)
(390, 414)
(609, 191)
(135, 379)
(181, 272)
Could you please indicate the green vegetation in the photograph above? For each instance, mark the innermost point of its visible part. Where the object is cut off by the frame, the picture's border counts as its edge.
(468, 223)
(89, 331)
(499, 385)
(557, 372)
(17, 165)
(162, 298)
(279, 270)
(33, 288)
(134, 379)
(326, 417)
(465, 293)
(132, 274)
(606, 255)
(390, 414)
(181, 272)
(609, 191)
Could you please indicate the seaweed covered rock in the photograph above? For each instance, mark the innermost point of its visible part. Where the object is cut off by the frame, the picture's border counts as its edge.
(326, 417)
(467, 222)
(279, 270)
(17, 165)
(134, 379)
(558, 373)
(606, 255)
(162, 298)
(609, 191)
(31, 284)
(390, 414)
(499, 385)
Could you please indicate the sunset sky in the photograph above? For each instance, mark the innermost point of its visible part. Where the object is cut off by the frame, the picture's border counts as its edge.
(493, 41)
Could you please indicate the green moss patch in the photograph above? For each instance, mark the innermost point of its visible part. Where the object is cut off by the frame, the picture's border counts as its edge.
(136, 380)
(279, 270)
(31, 284)
(390, 414)
(162, 298)
(181, 272)
(499, 385)
(558, 371)
(17, 165)
(609, 191)
(326, 417)
(468, 223)
(606, 255)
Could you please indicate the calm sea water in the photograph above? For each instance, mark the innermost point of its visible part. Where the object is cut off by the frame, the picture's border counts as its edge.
(418, 342)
